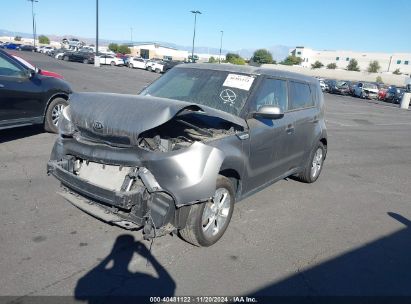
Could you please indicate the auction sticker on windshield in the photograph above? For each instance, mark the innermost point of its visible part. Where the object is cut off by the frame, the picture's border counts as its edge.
(241, 82)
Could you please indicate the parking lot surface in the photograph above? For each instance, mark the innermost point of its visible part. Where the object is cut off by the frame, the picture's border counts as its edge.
(347, 234)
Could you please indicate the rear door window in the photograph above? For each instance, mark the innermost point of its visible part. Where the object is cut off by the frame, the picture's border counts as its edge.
(300, 96)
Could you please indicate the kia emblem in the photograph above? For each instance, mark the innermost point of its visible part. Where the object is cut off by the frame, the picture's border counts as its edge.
(97, 126)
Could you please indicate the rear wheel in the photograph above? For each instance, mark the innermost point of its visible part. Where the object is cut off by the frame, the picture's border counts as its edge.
(149, 69)
(66, 58)
(314, 166)
(85, 61)
(130, 65)
(53, 114)
(207, 222)
(112, 63)
(158, 71)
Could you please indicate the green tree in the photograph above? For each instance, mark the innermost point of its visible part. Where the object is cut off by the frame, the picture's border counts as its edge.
(234, 59)
(113, 47)
(379, 79)
(331, 66)
(124, 49)
(291, 60)
(17, 38)
(317, 65)
(238, 61)
(353, 65)
(262, 56)
(212, 60)
(373, 67)
(397, 72)
(44, 39)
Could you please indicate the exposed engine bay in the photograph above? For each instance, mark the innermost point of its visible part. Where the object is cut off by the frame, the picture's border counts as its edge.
(184, 130)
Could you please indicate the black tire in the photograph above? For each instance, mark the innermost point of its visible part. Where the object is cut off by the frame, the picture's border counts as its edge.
(49, 126)
(149, 69)
(193, 231)
(66, 58)
(112, 63)
(130, 65)
(306, 176)
(85, 61)
(158, 71)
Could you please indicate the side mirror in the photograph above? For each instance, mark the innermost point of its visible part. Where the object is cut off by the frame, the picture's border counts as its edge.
(269, 112)
(30, 73)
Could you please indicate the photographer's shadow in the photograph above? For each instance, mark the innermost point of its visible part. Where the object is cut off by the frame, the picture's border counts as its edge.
(112, 278)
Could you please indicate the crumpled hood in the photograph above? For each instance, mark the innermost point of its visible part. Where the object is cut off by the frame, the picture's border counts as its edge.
(120, 116)
(371, 90)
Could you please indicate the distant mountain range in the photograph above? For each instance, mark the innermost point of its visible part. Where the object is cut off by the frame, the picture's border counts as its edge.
(279, 52)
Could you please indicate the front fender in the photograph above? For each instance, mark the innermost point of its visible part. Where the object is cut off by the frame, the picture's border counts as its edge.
(189, 176)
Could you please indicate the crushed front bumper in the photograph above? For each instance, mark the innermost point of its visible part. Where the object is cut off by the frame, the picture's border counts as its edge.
(130, 208)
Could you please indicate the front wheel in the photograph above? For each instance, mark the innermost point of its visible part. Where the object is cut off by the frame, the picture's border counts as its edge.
(85, 61)
(158, 71)
(130, 65)
(112, 63)
(314, 166)
(53, 114)
(66, 58)
(207, 222)
(149, 69)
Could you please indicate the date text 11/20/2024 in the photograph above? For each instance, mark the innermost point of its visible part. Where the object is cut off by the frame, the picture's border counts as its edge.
(203, 299)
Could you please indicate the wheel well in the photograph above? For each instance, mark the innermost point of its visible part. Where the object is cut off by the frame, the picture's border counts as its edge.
(58, 95)
(235, 179)
(324, 142)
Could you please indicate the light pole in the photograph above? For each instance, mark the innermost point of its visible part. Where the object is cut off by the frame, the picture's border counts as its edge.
(96, 58)
(34, 23)
(131, 34)
(194, 35)
(221, 46)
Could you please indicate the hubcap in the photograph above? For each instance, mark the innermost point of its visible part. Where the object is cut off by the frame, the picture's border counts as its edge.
(216, 212)
(56, 112)
(317, 163)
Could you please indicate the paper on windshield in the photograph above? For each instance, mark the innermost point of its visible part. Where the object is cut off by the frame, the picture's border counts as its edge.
(241, 82)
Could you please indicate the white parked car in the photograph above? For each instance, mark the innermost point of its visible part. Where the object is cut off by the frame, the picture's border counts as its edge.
(137, 62)
(111, 60)
(365, 90)
(322, 84)
(46, 49)
(155, 66)
(59, 55)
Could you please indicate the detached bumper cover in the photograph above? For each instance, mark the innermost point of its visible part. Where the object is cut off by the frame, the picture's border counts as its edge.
(121, 199)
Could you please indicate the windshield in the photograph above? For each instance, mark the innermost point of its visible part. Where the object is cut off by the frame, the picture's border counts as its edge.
(369, 86)
(220, 90)
(25, 63)
(341, 84)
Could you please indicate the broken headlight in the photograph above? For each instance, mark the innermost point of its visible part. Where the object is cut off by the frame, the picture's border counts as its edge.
(66, 127)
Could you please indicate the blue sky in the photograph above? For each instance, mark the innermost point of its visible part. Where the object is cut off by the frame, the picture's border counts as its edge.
(362, 25)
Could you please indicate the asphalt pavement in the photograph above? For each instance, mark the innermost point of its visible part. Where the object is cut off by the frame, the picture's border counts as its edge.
(347, 234)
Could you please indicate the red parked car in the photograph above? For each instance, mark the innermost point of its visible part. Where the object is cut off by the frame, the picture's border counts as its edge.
(382, 91)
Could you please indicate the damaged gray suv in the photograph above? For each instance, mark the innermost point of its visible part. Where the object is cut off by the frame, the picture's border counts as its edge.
(176, 157)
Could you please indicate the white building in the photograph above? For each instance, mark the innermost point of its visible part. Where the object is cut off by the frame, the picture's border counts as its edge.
(151, 50)
(388, 62)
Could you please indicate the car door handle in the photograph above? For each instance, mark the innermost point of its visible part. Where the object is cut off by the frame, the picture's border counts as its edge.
(290, 129)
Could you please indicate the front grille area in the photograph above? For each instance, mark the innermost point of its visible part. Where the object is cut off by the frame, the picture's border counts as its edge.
(122, 141)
